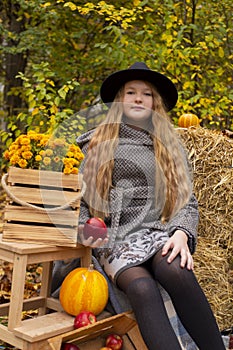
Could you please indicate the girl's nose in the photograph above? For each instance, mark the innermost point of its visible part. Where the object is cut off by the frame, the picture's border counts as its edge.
(138, 98)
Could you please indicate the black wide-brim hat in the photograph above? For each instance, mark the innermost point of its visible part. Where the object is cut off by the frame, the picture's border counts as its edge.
(139, 71)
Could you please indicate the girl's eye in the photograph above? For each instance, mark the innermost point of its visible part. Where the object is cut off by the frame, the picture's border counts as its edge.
(148, 93)
(129, 92)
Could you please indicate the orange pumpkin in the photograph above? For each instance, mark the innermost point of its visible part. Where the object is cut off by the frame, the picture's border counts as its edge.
(188, 119)
(84, 289)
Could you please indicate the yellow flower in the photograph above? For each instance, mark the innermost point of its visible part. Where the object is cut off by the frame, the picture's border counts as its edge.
(68, 162)
(79, 155)
(49, 152)
(43, 140)
(67, 170)
(22, 163)
(59, 142)
(38, 158)
(27, 155)
(24, 140)
(74, 171)
(6, 155)
(46, 160)
(72, 148)
(31, 133)
(34, 149)
(14, 159)
(13, 147)
(57, 159)
(70, 154)
(26, 148)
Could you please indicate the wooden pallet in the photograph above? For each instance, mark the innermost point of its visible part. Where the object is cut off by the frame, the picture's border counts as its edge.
(58, 224)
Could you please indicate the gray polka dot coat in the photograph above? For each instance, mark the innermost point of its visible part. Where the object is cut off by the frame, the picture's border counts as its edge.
(136, 232)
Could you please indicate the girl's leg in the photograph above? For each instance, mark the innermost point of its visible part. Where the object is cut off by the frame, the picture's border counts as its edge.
(189, 301)
(148, 307)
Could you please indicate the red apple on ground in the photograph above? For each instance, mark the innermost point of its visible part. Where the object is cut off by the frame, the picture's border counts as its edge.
(96, 228)
(69, 346)
(84, 318)
(114, 341)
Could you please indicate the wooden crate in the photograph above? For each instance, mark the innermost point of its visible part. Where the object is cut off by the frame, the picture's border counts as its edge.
(51, 220)
(93, 337)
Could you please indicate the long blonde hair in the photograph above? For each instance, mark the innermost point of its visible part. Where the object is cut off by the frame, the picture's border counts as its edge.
(172, 181)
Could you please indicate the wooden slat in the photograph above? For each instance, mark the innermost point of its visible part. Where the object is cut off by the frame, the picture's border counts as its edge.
(44, 196)
(44, 327)
(59, 217)
(8, 337)
(28, 304)
(136, 338)
(40, 234)
(44, 178)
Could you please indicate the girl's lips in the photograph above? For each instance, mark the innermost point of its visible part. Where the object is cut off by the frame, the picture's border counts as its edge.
(138, 108)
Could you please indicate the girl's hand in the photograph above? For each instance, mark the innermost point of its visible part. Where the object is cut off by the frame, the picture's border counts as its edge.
(177, 244)
(90, 242)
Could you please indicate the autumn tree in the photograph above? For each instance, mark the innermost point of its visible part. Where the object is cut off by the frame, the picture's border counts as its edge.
(190, 41)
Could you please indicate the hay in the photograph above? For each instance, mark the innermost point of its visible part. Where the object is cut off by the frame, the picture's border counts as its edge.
(211, 155)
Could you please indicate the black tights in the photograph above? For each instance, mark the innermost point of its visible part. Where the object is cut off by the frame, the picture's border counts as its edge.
(139, 284)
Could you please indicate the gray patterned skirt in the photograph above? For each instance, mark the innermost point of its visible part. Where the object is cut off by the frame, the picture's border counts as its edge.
(136, 248)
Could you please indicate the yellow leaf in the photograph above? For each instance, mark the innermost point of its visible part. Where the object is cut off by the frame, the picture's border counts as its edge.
(51, 82)
(193, 75)
(35, 111)
(186, 85)
(71, 5)
(221, 52)
(32, 104)
(47, 4)
(27, 15)
(54, 109)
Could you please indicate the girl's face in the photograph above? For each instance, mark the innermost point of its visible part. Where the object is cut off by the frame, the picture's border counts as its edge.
(137, 102)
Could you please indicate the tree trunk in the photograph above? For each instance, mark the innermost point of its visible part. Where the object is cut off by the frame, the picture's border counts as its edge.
(13, 62)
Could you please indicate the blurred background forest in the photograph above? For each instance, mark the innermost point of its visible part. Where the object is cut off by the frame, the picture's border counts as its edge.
(55, 54)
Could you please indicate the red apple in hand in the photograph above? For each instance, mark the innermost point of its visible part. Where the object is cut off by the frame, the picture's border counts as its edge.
(114, 341)
(84, 318)
(96, 228)
(69, 346)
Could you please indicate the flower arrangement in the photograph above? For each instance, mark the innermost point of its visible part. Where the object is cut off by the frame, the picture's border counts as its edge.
(43, 151)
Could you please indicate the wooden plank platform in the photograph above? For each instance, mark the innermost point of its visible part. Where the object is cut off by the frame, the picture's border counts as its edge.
(44, 327)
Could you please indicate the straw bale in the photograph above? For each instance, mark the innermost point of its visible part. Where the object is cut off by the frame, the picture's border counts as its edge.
(211, 155)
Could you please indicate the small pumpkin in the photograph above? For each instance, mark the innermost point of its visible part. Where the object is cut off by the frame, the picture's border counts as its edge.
(188, 119)
(84, 289)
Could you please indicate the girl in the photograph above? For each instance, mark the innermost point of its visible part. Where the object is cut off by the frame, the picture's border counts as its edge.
(138, 181)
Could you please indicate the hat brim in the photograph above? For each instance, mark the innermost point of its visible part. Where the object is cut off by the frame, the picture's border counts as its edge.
(115, 81)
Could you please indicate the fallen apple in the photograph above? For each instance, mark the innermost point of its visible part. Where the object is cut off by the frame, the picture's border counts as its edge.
(114, 342)
(84, 318)
(96, 228)
(69, 346)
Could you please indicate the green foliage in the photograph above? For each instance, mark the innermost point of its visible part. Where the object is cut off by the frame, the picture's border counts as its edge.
(189, 41)
(46, 111)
